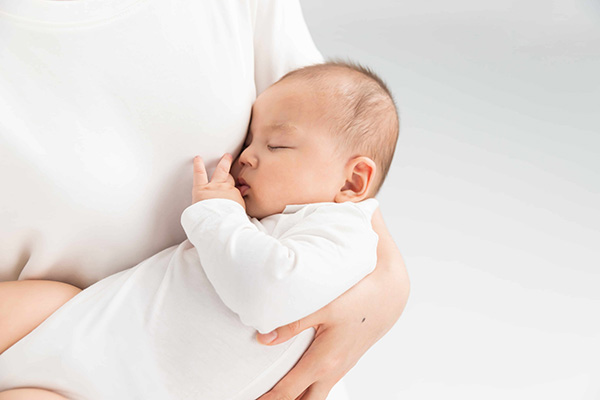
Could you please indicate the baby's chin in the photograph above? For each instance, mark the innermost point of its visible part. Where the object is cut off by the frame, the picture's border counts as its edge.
(259, 211)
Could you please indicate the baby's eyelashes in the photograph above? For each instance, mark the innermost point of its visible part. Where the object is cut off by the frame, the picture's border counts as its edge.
(276, 147)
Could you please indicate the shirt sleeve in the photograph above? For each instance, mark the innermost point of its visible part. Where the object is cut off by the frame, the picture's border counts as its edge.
(282, 41)
(270, 282)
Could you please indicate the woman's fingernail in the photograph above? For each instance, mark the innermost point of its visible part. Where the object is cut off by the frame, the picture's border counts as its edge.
(269, 337)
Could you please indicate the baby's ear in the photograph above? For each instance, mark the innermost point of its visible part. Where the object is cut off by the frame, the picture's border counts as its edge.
(360, 174)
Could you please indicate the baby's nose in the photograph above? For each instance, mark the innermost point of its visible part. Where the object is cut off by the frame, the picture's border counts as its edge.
(247, 158)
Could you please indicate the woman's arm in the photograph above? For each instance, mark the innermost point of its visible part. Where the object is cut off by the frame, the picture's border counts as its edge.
(347, 327)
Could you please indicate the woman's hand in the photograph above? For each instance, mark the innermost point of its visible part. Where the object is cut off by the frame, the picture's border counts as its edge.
(347, 327)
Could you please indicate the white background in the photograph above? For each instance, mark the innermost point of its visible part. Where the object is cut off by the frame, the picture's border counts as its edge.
(493, 196)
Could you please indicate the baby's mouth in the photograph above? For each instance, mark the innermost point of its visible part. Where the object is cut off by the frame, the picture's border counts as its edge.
(242, 186)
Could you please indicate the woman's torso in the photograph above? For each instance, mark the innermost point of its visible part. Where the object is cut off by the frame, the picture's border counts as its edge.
(100, 120)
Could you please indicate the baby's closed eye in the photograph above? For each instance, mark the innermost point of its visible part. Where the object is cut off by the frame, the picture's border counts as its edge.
(271, 147)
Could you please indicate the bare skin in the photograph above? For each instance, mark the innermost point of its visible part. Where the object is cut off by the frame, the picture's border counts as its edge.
(23, 306)
(26, 304)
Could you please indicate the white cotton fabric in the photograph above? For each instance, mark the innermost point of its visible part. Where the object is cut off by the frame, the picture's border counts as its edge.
(286, 266)
(170, 327)
(104, 103)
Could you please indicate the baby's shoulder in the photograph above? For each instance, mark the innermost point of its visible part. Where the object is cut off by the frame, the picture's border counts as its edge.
(339, 215)
(362, 210)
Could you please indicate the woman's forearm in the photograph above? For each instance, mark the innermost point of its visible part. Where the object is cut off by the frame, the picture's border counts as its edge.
(390, 265)
(347, 327)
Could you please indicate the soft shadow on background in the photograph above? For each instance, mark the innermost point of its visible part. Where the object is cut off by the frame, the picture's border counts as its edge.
(493, 197)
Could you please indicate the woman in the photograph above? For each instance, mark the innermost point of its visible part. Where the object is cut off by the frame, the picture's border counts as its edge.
(103, 104)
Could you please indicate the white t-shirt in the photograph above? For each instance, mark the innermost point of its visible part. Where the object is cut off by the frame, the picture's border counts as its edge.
(104, 103)
(166, 328)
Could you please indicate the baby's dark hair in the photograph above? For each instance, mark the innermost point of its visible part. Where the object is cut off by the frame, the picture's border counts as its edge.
(364, 114)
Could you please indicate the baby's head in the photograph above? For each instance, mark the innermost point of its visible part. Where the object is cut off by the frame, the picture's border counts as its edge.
(323, 133)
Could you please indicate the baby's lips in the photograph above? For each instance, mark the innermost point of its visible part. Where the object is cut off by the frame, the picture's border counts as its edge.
(244, 189)
(241, 182)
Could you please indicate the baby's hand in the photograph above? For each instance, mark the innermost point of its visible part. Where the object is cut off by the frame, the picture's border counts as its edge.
(221, 186)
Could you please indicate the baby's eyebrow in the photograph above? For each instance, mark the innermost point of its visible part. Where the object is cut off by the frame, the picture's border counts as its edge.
(283, 126)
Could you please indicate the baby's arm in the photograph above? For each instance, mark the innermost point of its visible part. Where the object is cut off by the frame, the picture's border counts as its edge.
(270, 282)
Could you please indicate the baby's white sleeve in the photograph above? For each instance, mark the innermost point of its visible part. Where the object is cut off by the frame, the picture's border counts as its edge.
(273, 281)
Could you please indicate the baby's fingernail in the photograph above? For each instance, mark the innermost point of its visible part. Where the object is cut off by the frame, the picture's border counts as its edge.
(268, 337)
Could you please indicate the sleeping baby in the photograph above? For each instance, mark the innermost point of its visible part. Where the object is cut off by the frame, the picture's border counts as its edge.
(272, 237)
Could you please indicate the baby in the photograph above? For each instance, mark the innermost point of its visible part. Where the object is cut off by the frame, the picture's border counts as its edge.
(181, 324)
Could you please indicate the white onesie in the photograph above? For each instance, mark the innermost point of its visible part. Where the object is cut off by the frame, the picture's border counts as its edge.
(170, 327)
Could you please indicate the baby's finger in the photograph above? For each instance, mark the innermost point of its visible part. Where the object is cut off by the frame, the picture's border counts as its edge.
(200, 175)
(230, 180)
(222, 170)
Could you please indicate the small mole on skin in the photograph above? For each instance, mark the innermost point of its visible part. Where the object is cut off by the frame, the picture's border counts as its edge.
(362, 320)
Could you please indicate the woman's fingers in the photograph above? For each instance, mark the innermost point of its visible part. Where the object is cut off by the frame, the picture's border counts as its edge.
(347, 327)
(222, 171)
(317, 391)
(285, 333)
(319, 369)
(298, 380)
(200, 176)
